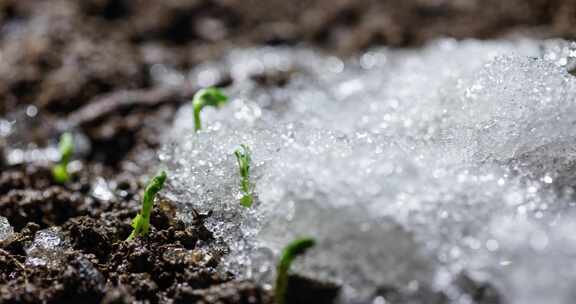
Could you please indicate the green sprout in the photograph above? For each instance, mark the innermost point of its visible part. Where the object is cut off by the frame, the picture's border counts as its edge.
(290, 252)
(66, 148)
(244, 159)
(141, 223)
(206, 97)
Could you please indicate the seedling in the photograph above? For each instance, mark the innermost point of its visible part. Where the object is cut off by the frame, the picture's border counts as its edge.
(206, 97)
(141, 223)
(244, 159)
(66, 148)
(290, 252)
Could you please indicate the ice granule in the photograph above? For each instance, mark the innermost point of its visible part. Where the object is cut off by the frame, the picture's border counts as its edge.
(409, 167)
(102, 190)
(47, 248)
(6, 229)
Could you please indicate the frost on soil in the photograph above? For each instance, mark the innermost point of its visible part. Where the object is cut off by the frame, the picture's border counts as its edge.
(6, 229)
(409, 167)
(47, 248)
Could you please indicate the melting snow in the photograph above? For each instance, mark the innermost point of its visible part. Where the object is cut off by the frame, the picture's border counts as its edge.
(6, 229)
(47, 248)
(410, 167)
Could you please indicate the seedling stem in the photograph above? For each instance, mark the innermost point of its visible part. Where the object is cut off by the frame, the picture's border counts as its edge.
(290, 252)
(141, 223)
(66, 148)
(244, 159)
(206, 97)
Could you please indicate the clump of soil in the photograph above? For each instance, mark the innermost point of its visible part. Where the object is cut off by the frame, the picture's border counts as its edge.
(176, 263)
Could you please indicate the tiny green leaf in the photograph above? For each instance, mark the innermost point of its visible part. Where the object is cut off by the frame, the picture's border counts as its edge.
(141, 222)
(213, 97)
(246, 201)
(66, 149)
(289, 254)
(244, 159)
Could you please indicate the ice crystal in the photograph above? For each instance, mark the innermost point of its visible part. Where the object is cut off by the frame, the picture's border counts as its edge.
(409, 167)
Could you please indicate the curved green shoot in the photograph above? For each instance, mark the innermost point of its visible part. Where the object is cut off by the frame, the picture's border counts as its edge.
(141, 223)
(213, 97)
(66, 148)
(243, 157)
(290, 252)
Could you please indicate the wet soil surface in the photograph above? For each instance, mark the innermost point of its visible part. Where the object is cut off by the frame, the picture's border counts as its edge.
(175, 264)
(87, 65)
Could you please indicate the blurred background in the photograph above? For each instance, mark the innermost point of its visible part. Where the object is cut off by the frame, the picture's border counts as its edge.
(75, 61)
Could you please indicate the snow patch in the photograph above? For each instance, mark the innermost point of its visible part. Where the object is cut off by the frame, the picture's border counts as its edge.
(409, 167)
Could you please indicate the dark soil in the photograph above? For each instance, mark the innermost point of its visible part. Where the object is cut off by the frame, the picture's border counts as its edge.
(175, 264)
(85, 65)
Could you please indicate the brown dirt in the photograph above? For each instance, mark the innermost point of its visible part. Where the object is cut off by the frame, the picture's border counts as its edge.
(176, 263)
